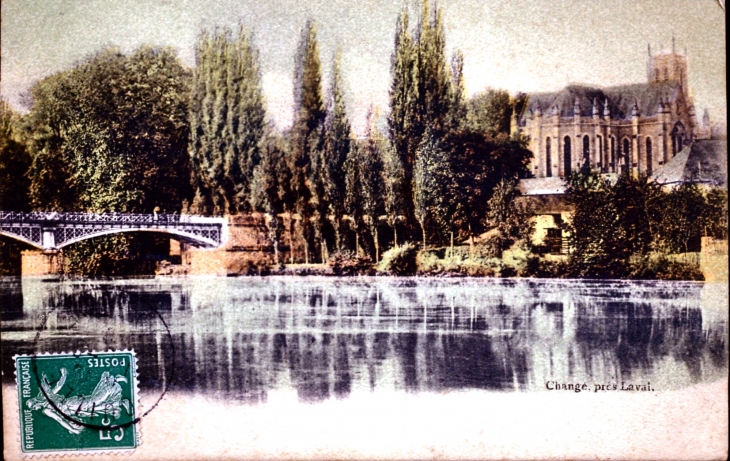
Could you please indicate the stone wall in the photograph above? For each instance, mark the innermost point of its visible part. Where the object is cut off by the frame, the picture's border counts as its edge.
(714, 260)
(36, 262)
(247, 249)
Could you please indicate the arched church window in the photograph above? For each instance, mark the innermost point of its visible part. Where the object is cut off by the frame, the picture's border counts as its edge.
(625, 155)
(567, 156)
(601, 163)
(613, 154)
(586, 150)
(649, 159)
(678, 135)
(548, 159)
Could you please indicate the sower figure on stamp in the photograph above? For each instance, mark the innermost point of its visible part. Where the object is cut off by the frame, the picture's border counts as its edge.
(105, 399)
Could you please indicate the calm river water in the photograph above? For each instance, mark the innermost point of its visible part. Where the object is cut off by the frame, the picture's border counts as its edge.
(241, 338)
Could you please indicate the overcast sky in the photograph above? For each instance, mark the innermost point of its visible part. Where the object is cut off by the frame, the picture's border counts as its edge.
(518, 45)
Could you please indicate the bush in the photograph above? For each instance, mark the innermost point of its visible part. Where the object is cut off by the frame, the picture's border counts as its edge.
(349, 263)
(429, 263)
(400, 260)
(660, 267)
(542, 268)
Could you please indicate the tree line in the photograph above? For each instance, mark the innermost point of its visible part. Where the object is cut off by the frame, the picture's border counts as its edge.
(142, 133)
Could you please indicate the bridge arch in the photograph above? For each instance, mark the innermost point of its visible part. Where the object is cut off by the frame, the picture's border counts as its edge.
(177, 235)
(22, 239)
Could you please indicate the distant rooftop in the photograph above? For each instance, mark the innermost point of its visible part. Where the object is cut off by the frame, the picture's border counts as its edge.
(621, 99)
(542, 186)
(703, 162)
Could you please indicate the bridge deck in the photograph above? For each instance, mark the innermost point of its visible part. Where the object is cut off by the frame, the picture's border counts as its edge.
(54, 230)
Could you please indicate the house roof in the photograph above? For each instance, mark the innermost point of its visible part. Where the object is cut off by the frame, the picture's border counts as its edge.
(620, 98)
(703, 161)
(542, 186)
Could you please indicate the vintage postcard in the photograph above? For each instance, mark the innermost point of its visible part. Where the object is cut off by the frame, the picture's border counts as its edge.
(417, 229)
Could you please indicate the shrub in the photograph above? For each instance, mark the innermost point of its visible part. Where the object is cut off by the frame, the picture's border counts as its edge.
(659, 266)
(429, 263)
(543, 268)
(400, 260)
(349, 263)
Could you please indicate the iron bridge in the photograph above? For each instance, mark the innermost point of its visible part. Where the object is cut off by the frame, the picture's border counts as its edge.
(55, 230)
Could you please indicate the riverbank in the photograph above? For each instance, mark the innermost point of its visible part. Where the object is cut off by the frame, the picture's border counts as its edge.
(408, 261)
(710, 264)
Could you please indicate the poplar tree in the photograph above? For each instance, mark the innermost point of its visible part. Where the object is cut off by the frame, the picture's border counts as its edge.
(422, 93)
(353, 188)
(403, 126)
(433, 190)
(372, 184)
(336, 149)
(270, 186)
(434, 85)
(227, 121)
(307, 138)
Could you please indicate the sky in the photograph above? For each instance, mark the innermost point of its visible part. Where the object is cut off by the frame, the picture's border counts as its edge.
(517, 45)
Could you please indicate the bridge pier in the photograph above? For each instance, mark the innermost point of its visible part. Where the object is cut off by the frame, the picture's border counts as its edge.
(247, 249)
(36, 262)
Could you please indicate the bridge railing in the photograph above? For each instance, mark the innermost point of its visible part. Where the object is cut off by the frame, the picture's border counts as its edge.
(127, 218)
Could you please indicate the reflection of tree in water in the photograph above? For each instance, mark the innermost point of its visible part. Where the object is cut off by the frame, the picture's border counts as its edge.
(243, 338)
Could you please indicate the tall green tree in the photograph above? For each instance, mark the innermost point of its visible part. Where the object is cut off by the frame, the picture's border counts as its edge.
(402, 122)
(271, 193)
(336, 149)
(395, 189)
(353, 190)
(307, 139)
(372, 185)
(111, 134)
(435, 93)
(433, 190)
(227, 120)
(364, 192)
(425, 94)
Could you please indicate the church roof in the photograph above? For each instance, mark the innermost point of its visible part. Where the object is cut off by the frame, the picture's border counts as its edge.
(620, 98)
(702, 161)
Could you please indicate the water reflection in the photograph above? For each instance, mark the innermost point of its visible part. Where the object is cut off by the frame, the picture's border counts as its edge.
(242, 338)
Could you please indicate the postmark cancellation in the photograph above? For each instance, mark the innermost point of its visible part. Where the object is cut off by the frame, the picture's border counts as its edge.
(78, 403)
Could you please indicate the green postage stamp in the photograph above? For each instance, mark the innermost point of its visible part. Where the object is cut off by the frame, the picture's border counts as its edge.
(83, 402)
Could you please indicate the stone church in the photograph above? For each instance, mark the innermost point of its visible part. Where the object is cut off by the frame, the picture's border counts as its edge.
(635, 127)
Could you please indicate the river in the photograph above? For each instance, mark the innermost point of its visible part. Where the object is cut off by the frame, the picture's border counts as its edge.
(394, 368)
(241, 338)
